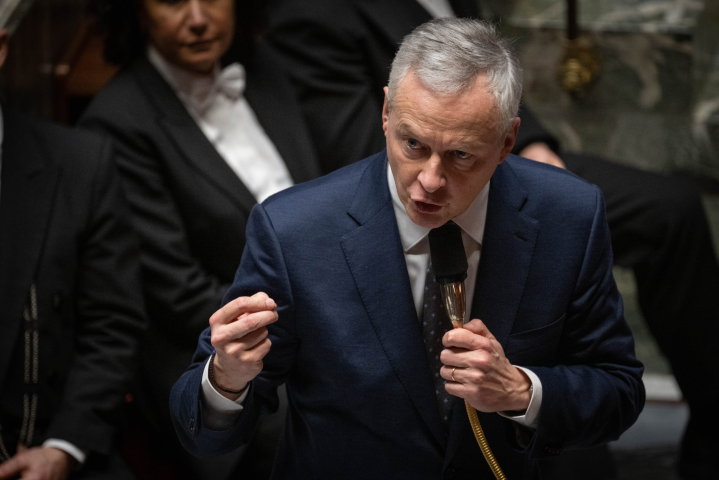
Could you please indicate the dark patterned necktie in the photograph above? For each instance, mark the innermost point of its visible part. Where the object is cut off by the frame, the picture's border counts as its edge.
(435, 323)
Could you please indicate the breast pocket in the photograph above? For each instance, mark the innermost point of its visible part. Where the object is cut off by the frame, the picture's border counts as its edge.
(537, 347)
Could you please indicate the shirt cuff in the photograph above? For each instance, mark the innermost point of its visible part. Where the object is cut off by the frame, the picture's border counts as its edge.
(218, 412)
(531, 415)
(66, 447)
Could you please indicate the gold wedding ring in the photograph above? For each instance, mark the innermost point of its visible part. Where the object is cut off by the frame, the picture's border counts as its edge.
(453, 369)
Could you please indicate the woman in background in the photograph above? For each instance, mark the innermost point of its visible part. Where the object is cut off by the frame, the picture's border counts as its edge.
(205, 126)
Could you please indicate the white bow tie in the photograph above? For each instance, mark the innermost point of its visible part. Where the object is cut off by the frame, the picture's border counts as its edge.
(231, 81)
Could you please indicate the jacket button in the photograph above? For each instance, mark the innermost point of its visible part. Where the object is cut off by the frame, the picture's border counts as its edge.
(449, 472)
(57, 301)
(192, 426)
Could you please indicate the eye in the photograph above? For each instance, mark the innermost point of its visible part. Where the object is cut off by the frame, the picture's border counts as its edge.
(461, 155)
(412, 143)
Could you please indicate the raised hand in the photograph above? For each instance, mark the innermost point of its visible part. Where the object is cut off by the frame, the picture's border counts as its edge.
(239, 336)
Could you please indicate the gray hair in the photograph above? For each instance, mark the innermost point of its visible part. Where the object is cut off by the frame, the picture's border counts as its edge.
(448, 54)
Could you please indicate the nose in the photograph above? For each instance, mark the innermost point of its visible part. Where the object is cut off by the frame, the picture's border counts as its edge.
(432, 175)
(197, 18)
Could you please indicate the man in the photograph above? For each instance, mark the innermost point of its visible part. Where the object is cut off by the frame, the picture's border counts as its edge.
(339, 53)
(72, 309)
(343, 261)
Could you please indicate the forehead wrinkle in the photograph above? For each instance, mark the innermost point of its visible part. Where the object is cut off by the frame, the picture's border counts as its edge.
(472, 110)
(468, 136)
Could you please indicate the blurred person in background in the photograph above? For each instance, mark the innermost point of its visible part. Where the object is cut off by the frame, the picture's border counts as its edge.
(206, 126)
(72, 307)
(339, 53)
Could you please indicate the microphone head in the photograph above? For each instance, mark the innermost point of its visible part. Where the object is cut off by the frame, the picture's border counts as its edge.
(449, 260)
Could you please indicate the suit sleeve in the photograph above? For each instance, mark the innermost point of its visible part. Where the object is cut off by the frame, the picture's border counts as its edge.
(109, 316)
(180, 294)
(262, 269)
(326, 63)
(595, 391)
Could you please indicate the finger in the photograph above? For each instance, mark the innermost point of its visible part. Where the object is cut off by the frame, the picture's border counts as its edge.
(253, 338)
(241, 305)
(456, 357)
(452, 373)
(257, 353)
(465, 338)
(477, 326)
(457, 389)
(12, 467)
(236, 331)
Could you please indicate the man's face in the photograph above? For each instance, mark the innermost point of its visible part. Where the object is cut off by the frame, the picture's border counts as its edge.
(442, 149)
(192, 34)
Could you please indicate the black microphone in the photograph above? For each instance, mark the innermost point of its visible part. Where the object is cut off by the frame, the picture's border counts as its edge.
(449, 262)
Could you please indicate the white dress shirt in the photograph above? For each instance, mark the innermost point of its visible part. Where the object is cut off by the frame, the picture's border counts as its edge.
(216, 102)
(220, 412)
(63, 445)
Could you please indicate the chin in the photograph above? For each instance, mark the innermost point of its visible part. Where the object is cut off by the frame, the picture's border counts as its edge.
(427, 220)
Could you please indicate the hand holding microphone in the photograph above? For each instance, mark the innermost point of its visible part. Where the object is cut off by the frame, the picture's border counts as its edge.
(478, 371)
(474, 362)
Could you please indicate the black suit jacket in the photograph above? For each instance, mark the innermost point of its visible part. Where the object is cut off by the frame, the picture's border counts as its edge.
(189, 208)
(339, 54)
(65, 227)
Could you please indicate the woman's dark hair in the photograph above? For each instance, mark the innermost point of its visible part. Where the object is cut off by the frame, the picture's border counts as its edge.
(119, 21)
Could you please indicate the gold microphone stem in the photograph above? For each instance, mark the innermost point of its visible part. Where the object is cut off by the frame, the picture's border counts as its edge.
(454, 302)
(454, 297)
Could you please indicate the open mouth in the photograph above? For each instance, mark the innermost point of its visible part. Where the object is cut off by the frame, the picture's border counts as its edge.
(424, 207)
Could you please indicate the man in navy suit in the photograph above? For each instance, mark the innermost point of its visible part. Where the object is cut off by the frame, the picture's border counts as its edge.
(342, 264)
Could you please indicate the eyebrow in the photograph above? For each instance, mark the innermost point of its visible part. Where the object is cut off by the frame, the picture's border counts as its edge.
(404, 129)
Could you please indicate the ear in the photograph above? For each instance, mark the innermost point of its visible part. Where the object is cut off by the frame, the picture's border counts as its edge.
(385, 111)
(4, 41)
(510, 139)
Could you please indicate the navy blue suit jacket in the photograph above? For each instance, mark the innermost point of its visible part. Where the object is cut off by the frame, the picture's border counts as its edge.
(349, 346)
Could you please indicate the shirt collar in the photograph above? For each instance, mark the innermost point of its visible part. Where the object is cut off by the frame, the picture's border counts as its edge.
(191, 87)
(472, 221)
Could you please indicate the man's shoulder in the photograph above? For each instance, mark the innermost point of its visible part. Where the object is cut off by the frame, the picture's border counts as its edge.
(553, 195)
(551, 189)
(339, 185)
(324, 199)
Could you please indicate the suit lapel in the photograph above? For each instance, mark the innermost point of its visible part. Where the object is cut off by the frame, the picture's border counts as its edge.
(280, 115)
(191, 143)
(507, 251)
(375, 257)
(29, 182)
